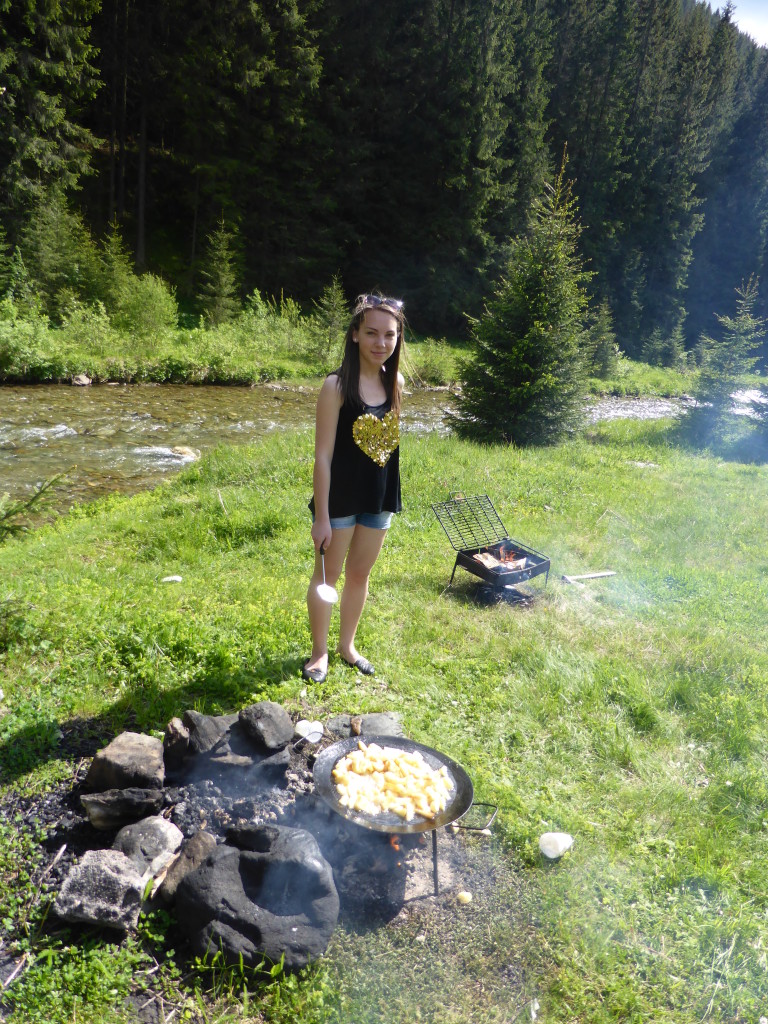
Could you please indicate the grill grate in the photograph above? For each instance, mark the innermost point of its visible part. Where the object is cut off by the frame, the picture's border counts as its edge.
(470, 522)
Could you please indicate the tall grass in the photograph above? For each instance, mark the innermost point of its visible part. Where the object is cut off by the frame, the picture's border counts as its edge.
(268, 340)
(630, 712)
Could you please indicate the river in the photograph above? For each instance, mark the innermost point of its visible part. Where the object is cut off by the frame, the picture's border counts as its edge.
(126, 438)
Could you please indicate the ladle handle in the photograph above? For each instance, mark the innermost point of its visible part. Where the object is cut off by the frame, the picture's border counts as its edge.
(322, 560)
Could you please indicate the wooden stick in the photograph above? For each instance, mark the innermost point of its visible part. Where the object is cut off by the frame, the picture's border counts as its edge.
(589, 576)
(15, 973)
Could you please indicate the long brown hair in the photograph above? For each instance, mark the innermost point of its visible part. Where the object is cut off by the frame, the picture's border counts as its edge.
(349, 371)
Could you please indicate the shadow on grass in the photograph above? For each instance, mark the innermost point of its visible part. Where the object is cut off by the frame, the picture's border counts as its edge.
(738, 439)
(44, 739)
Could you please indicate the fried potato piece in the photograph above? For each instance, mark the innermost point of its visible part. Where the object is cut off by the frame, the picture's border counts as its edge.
(375, 779)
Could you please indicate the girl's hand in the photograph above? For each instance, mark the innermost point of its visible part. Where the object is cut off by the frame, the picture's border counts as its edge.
(322, 534)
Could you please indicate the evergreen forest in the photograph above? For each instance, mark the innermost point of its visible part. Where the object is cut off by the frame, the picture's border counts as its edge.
(396, 145)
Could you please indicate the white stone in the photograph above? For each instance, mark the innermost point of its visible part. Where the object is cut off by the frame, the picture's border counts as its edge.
(554, 844)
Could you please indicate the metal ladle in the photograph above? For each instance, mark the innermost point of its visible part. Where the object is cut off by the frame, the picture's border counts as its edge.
(325, 591)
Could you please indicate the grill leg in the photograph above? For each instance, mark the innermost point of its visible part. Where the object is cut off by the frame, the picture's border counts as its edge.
(450, 581)
(435, 881)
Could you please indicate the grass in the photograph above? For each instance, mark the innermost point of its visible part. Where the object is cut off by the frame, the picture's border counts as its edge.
(630, 712)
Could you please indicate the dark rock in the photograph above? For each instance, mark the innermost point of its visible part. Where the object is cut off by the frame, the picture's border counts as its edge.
(256, 838)
(130, 760)
(275, 764)
(193, 853)
(382, 723)
(237, 770)
(205, 731)
(149, 844)
(175, 743)
(276, 898)
(103, 889)
(117, 807)
(268, 723)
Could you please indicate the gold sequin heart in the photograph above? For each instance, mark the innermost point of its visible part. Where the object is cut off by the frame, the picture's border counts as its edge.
(378, 438)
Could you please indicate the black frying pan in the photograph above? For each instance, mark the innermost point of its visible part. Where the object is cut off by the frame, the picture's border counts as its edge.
(459, 803)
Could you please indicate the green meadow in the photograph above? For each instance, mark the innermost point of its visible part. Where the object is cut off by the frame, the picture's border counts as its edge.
(629, 712)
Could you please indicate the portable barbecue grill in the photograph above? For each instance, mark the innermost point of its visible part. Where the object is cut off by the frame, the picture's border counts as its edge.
(458, 805)
(482, 544)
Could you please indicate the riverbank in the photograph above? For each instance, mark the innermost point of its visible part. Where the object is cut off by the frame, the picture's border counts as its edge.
(264, 343)
(627, 712)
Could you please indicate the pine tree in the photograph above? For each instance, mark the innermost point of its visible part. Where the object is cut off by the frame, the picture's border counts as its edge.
(218, 295)
(433, 111)
(727, 360)
(45, 57)
(6, 263)
(330, 318)
(60, 255)
(526, 384)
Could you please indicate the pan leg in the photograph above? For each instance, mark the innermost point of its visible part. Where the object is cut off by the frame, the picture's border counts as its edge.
(435, 880)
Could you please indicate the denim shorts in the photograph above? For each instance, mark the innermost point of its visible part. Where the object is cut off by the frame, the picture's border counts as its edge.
(374, 520)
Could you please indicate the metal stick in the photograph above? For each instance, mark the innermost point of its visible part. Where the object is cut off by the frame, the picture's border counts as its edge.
(434, 862)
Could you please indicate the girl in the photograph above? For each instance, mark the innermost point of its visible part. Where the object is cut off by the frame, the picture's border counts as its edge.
(356, 478)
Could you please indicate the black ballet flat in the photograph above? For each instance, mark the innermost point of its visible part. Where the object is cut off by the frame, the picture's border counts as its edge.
(362, 665)
(314, 675)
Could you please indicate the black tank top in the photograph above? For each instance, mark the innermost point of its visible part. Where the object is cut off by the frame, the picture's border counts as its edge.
(365, 468)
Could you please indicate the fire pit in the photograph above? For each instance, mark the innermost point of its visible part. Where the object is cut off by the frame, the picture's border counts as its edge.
(483, 546)
(460, 802)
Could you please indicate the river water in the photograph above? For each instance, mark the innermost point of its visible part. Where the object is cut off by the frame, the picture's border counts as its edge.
(129, 437)
(126, 438)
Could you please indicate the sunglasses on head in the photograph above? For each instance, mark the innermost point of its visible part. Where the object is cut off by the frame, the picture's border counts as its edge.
(374, 301)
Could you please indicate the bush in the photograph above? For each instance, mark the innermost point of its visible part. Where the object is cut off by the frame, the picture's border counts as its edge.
(146, 305)
(527, 382)
(429, 362)
(137, 304)
(28, 350)
(88, 329)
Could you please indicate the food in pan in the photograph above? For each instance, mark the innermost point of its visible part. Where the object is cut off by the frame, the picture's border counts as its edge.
(373, 779)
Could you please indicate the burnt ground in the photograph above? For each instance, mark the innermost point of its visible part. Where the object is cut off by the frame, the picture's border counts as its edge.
(384, 882)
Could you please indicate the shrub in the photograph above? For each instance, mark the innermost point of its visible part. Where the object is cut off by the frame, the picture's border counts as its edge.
(147, 305)
(88, 329)
(137, 304)
(665, 348)
(28, 350)
(429, 362)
